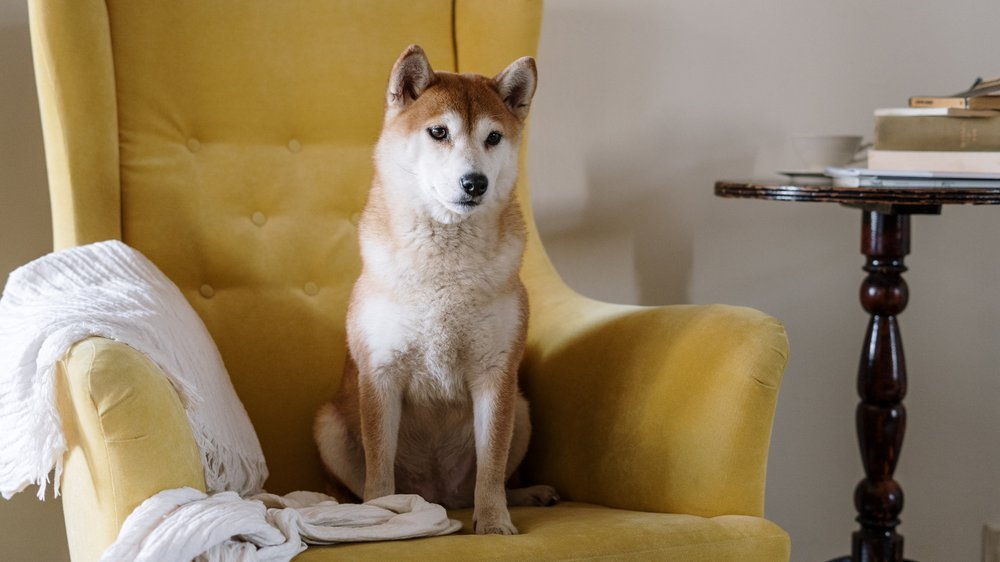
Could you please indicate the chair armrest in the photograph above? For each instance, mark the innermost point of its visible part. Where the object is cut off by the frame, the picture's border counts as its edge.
(663, 409)
(127, 438)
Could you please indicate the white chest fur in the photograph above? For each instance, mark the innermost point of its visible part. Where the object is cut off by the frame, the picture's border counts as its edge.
(439, 305)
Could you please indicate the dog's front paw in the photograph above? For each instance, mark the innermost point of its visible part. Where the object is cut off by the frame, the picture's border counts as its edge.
(493, 522)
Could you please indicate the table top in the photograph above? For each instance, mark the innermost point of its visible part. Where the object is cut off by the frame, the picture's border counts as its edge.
(883, 199)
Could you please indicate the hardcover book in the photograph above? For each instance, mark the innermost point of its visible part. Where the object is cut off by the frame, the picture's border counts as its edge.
(935, 160)
(951, 131)
(983, 94)
(964, 102)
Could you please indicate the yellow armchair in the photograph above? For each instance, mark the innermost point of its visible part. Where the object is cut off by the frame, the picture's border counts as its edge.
(230, 143)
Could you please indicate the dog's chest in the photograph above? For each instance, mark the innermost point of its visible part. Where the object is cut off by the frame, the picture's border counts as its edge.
(442, 316)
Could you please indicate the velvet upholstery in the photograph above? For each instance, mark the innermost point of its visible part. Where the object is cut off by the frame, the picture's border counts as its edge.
(128, 438)
(230, 141)
(578, 531)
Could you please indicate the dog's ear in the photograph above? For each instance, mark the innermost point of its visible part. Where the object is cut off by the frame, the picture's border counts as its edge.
(516, 85)
(411, 75)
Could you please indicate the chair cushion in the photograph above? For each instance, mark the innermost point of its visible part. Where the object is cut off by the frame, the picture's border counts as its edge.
(574, 531)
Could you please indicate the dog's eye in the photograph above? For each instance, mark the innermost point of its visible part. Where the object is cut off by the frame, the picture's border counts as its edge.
(494, 138)
(438, 133)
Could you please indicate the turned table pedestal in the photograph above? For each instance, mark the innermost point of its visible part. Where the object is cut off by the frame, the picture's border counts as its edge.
(880, 416)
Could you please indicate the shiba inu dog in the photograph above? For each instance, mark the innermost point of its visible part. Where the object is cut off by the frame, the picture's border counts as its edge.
(429, 402)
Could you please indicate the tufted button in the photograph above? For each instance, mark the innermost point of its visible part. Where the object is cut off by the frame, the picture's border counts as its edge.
(259, 218)
(311, 289)
(355, 219)
(207, 291)
(193, 145)
(294, 145)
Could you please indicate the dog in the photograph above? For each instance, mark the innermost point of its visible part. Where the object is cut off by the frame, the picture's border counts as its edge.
(429, 401)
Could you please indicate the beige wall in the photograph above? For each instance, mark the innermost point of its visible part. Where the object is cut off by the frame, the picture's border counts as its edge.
(642, 106)
(29, 530)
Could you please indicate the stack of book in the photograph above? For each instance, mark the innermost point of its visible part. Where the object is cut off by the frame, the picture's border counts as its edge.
(958, 133)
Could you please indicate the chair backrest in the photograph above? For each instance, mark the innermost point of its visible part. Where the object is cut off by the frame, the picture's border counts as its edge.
(230, 141)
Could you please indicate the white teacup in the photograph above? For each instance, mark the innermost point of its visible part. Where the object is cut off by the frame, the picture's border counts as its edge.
(818, 152)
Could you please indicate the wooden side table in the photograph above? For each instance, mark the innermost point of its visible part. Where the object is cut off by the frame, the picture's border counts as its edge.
(880, 416)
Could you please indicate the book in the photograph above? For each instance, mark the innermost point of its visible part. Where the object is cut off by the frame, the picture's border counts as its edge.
(917, 183)
(935, 160)
(936, 111)
(939, 128)
(964, 102)
(911, 179)
(982, 94)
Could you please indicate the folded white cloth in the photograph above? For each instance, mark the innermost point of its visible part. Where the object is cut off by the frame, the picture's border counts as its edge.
(185, 524)
(109, 289)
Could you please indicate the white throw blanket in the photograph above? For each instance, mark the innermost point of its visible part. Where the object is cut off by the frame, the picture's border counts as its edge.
(110, 290)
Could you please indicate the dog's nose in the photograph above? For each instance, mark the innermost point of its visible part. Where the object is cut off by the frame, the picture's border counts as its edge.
(475, 184)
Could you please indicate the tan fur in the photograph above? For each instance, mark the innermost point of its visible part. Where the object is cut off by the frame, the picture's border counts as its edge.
(429, 402)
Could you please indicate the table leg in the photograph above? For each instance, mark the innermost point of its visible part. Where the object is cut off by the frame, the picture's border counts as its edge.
(881, 416)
